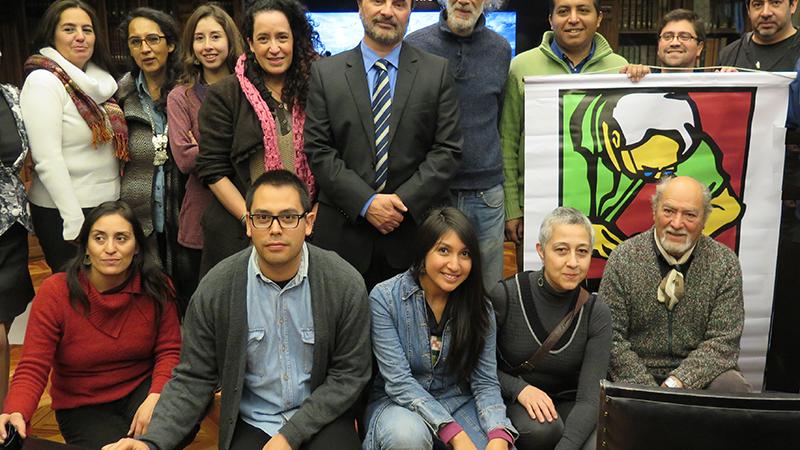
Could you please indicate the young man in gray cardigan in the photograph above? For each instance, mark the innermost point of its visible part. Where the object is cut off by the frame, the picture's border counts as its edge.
(282, 327)
(676, 298)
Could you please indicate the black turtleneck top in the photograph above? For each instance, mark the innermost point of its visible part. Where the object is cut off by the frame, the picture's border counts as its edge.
(576, 363)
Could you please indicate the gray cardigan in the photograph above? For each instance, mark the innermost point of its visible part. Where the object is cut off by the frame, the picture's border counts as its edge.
(214, 351)
(698, 340)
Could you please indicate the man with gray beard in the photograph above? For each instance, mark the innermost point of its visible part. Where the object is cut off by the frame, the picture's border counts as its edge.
(479, 60)
(676, 298)
(382, 152)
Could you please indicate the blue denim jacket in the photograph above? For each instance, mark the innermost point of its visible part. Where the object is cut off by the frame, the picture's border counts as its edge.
(408, 377)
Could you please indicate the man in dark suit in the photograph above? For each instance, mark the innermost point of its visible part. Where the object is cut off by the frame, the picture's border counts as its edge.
(382, 152)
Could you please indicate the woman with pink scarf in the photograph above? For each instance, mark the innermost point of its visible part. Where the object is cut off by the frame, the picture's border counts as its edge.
(253, 120)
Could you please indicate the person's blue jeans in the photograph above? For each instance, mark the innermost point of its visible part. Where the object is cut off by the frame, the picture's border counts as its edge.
(484, 208)
(394, 427)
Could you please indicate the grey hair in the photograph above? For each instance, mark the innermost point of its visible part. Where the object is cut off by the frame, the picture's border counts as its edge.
(563, 215)
(488, 5)
(662, 185)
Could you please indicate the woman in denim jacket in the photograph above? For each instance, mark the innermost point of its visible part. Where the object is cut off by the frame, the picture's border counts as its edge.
(433, 334)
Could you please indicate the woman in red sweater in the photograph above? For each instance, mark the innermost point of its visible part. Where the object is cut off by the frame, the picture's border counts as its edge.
(109, 330)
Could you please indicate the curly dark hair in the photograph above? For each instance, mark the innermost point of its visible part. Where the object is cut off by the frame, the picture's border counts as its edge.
(304, 52)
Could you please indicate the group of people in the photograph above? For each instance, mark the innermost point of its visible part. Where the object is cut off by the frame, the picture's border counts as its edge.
(297, 199)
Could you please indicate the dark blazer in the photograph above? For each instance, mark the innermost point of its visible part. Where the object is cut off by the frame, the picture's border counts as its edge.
(424, 150)
(229, 135)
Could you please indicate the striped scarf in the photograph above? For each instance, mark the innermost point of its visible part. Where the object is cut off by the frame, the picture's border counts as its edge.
(106, 121)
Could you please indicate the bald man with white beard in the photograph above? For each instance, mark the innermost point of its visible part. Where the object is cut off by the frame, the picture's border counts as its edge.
(676, 298)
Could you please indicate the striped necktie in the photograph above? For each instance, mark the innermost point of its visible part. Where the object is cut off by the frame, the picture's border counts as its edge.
(381, 111)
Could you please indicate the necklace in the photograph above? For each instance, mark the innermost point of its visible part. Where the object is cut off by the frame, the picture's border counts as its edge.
(160, 140)
(276, 92)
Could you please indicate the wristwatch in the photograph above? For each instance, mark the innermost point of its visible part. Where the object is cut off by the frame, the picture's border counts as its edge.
(672, 382)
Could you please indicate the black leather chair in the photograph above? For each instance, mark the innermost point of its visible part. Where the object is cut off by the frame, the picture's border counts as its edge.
(635, 417)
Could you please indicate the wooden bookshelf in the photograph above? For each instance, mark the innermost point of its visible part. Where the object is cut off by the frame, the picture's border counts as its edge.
(633, 27)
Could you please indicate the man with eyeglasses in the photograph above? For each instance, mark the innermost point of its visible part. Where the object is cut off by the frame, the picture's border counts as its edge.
(681, 38)
(283, 327)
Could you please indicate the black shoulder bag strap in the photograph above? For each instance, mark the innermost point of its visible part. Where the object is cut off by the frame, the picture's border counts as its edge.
(555, 335)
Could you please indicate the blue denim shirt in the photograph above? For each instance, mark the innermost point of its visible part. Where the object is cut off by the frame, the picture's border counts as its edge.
(159, 123)
(408, 377)
(280, 347)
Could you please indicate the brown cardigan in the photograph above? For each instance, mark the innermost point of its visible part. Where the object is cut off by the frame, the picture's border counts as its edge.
(183, 106)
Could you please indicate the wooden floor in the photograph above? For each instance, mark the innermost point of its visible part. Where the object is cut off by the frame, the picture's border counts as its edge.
(43, 423)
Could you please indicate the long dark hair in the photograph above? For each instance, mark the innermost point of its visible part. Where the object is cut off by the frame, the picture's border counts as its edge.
(191, 71)
(295, 90)
(170, 29)
(154, 282)
(468, 304)
(45, 33)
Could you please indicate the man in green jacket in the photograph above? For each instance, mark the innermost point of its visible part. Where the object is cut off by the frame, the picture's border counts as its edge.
(573, 46)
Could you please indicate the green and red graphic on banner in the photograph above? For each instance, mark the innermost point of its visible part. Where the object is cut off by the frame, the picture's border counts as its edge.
(615, 144)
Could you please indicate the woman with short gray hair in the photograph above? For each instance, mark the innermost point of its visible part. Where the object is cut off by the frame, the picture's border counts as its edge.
(552, 393)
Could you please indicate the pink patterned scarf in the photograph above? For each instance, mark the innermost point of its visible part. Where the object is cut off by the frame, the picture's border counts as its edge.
(272, 157)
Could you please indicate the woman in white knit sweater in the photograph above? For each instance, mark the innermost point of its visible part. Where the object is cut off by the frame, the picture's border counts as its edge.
(76, 130)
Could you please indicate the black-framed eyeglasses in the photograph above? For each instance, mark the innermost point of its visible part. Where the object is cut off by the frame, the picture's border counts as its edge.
(151, 39)
(286, 221)
(683, 37)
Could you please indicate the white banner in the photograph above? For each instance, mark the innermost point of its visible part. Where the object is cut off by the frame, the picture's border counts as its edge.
(725, 129)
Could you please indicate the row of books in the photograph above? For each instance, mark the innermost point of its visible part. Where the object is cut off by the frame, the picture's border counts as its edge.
(647, 54)
(640, 54)
(644, 15)
(726, 15)
(117, 10)
(711, 51)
